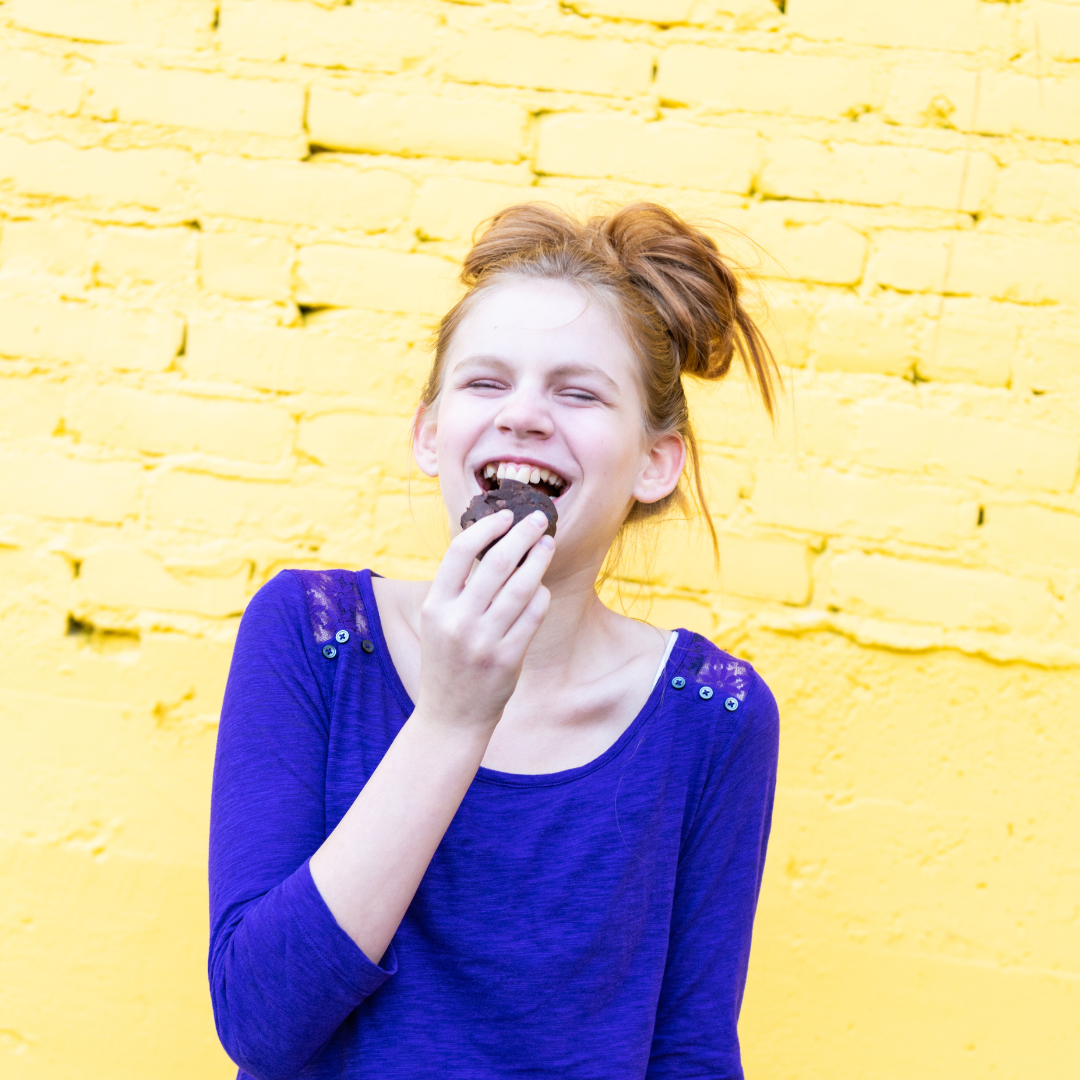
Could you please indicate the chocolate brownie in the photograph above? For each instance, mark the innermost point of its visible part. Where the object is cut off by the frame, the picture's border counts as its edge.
(510, 495)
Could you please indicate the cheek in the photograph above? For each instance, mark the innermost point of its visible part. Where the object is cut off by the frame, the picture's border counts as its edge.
(459, 427)
(611, 457)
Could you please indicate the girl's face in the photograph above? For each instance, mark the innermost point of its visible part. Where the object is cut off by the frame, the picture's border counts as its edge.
(541, 383)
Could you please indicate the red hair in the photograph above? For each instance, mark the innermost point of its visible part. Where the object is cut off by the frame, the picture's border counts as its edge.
(677, 297)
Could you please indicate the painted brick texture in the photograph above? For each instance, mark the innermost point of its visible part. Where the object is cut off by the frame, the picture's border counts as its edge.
(227, 230)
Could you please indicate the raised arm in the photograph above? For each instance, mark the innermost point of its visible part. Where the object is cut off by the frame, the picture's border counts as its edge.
(301, 922)
(474, 630)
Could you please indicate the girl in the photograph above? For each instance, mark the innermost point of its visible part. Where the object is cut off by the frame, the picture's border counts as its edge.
(484, 827)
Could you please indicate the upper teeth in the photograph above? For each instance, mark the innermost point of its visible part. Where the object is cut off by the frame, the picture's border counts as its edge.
(526, 474)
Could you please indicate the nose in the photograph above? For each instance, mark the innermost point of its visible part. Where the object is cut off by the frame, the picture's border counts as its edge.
(525, 415)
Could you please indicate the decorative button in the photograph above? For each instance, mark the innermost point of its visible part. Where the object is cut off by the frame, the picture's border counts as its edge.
(367, 646)
(341, 637)
(678, 682)
(705, 693)
(731, 704)
(329, 652)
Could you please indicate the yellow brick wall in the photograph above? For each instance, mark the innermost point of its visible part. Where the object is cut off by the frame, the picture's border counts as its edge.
(226, 230)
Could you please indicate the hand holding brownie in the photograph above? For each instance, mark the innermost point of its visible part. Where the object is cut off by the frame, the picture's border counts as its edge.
(521, 499)
(477, 621)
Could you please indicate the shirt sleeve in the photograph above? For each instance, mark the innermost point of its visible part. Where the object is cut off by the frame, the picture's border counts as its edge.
(716, 892)
(283, 974)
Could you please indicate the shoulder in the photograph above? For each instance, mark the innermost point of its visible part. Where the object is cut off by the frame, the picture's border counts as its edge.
(728, 732)
(729, 697)
(316, 603)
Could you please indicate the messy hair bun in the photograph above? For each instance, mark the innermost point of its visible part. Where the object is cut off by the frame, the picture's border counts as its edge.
(678, 298)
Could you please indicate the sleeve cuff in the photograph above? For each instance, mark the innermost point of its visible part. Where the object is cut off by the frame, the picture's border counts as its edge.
(345, 960)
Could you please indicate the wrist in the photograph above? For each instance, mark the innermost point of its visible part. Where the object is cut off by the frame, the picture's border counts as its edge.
(450, 735)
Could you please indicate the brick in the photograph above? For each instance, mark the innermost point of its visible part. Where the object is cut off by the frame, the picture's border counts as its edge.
(136, 254)
(1032, 534)
(1071, 612)
(1013, 104)
(681, 612)
(415, 124)
(733, 14)
(952, 597)
(787, 326)
(973, 348)
(30, 407)
(1053, 364)
(360, 36)
(765, 82)
(352, 441)
(964, 25)
(895, 436)
(32, 81)
(729, 413)
(288, 360)
(402, 528)
(828, 252)
(178, 424)
(1022, 269)
(550, 62)
(727, 481)
(303, 193)
(153, 178)
(766, 568)
(122, 576)
(911, 261)
(247, 267)
(834, 503)
(37, 575)
(340, 276)
(825, 425)
(938, 96)
(230, 507)
(1037, 192)
(657, 11)
(196, 99)
(658, 152)
(175, 24)
(49, 486)
(451, 208)
(878, 338)
(1057, 28)
(877, 175)
(762, 567)
(56, 245)
(78, 333)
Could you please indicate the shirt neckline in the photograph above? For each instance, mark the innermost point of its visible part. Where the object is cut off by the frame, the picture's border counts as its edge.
(495, 776)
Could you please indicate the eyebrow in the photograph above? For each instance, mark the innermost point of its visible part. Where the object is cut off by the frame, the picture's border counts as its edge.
(562, 371)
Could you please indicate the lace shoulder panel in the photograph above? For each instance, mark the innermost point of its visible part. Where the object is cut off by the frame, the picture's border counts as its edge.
(717, 669)
(333, 600)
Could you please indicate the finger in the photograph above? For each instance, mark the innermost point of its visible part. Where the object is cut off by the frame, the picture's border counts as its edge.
(461, 553)
(502, 560)
(509, 602)
(519, 636)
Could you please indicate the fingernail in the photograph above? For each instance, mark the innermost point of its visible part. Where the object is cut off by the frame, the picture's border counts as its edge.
(546, 542)
(538, 516)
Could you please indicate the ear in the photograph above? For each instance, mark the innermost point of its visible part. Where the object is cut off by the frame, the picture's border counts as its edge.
(423, 443)
(663, 467)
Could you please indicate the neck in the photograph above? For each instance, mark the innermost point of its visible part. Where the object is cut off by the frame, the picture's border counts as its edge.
(575, 621)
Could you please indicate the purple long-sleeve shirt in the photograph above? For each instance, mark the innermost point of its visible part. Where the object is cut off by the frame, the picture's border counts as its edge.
(591, 924)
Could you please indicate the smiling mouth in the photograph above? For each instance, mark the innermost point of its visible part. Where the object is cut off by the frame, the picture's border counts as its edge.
(545, 480)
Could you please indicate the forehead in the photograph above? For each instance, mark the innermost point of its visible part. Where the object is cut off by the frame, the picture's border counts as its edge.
(544, 320)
